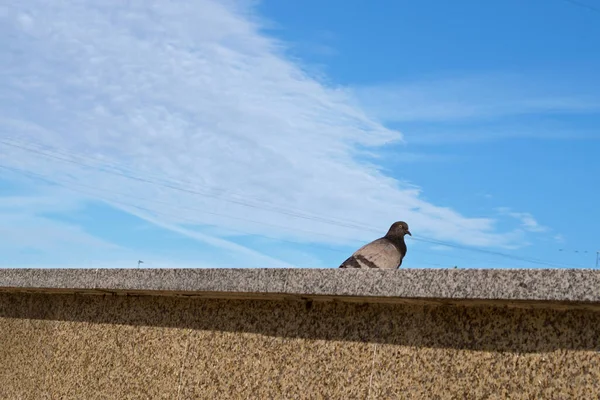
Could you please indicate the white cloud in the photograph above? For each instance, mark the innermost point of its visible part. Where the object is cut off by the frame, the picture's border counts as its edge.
(192, 93)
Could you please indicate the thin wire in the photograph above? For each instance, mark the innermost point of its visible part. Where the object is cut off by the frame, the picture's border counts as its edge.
(576, 251)
(291, 213)
(153, 200)
(33, 175)
(423, 239)
(352, 224)
(166, 184)
(496, 253)
(124, 204)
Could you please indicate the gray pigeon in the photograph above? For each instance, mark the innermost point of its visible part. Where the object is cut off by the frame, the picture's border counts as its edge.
(385, 253)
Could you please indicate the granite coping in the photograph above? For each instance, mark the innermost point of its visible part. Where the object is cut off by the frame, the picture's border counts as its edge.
(528, 285)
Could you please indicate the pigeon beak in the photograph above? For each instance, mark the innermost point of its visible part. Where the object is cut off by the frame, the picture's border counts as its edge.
(408, 232)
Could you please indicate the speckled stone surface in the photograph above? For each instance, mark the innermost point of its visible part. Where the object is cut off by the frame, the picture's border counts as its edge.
(566, 285)
(76, 346)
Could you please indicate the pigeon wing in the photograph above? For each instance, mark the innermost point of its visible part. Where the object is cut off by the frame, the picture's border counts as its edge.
(380, 253)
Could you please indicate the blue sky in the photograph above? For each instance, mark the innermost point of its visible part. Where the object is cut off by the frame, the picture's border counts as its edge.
(287, 134)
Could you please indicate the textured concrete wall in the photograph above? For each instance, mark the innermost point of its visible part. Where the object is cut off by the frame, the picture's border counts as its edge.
(73, 346)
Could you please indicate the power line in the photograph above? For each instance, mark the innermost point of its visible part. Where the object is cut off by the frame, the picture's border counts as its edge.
(123, 204)
(325, 220)
(63, 184)
(496, 253)
(168, 183)
(343, 223)
(197, 192)
(33, 175)
(286, 212)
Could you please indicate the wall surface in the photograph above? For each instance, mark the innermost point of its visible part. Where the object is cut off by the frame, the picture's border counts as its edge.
(74, 346)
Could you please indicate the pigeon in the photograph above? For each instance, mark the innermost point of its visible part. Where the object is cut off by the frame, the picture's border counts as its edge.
(384, 253)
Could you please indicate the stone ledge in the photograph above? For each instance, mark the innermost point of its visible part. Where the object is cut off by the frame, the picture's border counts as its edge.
(437, 285)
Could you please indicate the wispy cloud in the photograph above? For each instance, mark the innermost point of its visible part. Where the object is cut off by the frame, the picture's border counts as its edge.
(20, 231)
(194, 95)
(28, 231)
(475, 98)
(528, 222)
(440, 248)
(45, 228)
(478, 132)
(265, 261)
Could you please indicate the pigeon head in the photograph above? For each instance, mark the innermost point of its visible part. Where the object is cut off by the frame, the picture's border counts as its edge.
(399, 228)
